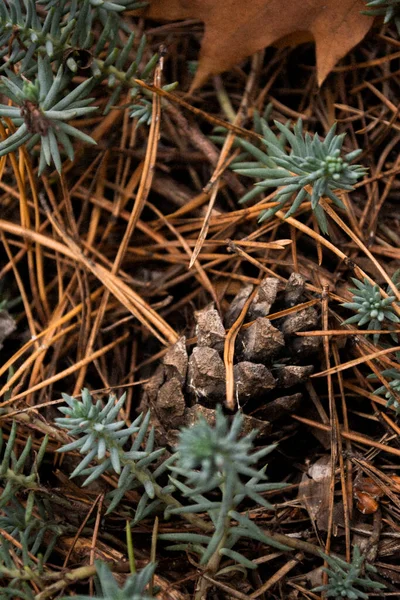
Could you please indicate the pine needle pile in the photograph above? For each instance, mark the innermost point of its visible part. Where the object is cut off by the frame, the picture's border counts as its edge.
(199, 312)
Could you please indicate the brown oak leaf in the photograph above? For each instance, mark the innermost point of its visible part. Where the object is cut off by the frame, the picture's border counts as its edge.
(235, 29)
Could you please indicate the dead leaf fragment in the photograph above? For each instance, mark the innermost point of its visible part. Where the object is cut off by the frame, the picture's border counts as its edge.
(314, 491)
(234, 30)
(7, 326)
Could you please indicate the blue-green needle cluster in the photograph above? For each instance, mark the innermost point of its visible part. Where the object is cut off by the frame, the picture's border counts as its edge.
(134, 588)
(371, 307)
(43, 46)
(311, 169)
(209, 458)
(100, 5)
(391, 393)
(102, 436)
(220, 459)
(346, 579)
(389, 9)
(41, 113)
(213, 469)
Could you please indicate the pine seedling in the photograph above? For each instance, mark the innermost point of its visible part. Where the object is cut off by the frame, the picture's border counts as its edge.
(142, 111)
(59, 30)
(389, 9)
(102, 437)
(30, 530)
(346, 579)
(30, 522)
(312, 169)
(14, 588)
(47, 46)
(13, 469)
(394, 384)
(371, 307)
(42, 114)
(209, 458)
(393, 392)
(133, 589)
(99, 430)
(218, 459)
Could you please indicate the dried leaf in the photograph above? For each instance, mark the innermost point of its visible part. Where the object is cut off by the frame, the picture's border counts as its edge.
(7, 326)
(314, 491)
(234, 30)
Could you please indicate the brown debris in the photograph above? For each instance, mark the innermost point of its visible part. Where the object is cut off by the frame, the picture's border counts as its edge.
(304, 320)
(305, 346)
(151, 387)
(170, 404)
(193, 413)
(314, 491)
(249, 423)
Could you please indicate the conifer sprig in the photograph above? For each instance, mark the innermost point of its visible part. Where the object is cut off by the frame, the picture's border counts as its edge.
(389, 9)
(311, 163)
(219, 459)
(47, 46)
(346, 579)
(42, 113)
(371, 307)
(209, 459)
(134, 588)
(391, 393)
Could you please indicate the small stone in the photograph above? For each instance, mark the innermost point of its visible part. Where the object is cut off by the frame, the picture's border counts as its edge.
(294, 289)
(261, 341)
(252, 380)
(264, 298)
(293, 374)
(303, 320)
(176, 360)
(209, 328)
(236, 305)
(170, 404)
(207, 373)
(281, 406)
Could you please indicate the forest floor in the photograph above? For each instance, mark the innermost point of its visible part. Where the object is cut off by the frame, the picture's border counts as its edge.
(106, 297)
